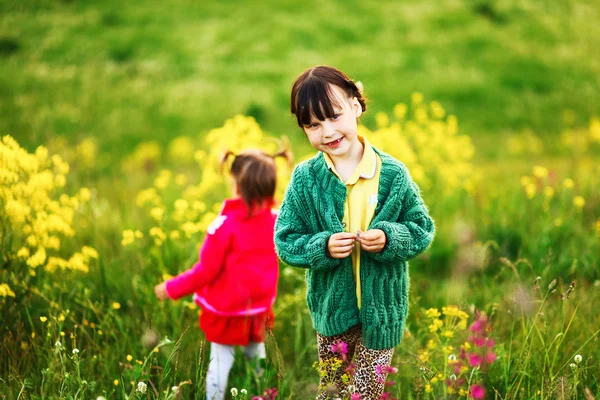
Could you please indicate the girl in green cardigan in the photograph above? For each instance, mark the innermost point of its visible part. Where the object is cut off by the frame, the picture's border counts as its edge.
(352, 217)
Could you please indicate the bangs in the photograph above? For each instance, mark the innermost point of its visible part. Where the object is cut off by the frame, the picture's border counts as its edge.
(315, 98)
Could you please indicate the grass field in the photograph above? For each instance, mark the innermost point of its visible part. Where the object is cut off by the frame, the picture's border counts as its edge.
(117, 112)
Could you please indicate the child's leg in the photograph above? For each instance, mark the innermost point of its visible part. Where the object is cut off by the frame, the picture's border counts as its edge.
(254, 349)
(350, 337)
(370, 373)
(257, 350)
(221, 361)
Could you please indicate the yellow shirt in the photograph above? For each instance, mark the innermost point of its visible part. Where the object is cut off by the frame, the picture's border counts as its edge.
(361, 200)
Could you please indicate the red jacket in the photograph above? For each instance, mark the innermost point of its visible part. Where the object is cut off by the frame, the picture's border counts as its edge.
(238, 269)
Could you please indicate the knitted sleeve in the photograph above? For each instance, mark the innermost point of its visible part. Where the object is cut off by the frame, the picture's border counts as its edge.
(210, 263)
(295, 242)
(412, 232)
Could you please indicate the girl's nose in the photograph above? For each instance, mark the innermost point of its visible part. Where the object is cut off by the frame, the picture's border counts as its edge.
(328, 129)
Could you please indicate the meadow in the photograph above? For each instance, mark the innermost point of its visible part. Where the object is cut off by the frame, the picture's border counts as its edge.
(112, 119)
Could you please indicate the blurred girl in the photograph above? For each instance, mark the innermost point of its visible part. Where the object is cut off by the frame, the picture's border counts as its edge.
(235, 280)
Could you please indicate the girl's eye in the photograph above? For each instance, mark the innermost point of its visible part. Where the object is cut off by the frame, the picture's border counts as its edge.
(336, 116)
(313, 125)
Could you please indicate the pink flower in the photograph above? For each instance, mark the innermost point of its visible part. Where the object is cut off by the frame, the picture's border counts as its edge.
(477, 392)
(475, 360)
(340, 347)
(490, 343)
(385, 369)
(490, 357)
(477, 326)
(355, 396)
(271, 394)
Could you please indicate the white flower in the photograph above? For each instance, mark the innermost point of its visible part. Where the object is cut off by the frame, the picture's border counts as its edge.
(451, 357)
(453, 377)
(58, 344)
(100, 398)
(234, 392)
(243, 391)
(75, 351)
(142, 387)
(578, 358)
(573, 366)
(175, 389)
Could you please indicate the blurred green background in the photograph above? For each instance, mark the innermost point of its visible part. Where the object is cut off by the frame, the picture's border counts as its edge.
(126, 72)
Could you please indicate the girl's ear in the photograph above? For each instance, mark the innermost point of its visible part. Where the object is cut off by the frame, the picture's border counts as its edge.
(356, 107)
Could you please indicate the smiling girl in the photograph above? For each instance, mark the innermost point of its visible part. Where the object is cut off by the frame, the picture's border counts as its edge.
(352, 217)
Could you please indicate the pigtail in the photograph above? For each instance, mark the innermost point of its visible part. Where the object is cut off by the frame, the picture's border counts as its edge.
(224, 157)
(285, 152)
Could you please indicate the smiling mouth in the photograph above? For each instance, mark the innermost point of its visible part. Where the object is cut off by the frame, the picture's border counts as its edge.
(334, 143)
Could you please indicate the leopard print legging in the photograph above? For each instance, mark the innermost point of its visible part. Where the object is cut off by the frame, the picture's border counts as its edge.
(364, 363)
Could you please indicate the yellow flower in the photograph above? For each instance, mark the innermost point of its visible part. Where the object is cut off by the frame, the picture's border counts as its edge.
(428, 388)
(382, 120)
(447, 349)
(530, 190)
(417, 98)
(400, 110)
(434, 380)
(157, 213)
(435, 325)
(129, 357)
(61, 317)
(433, 313)
(598, 227)
(548, 191)
(43, 319)
(89, 252)
(100, 332)
(540, 172)
(85, 195)
(128, 237)
(569, 183)
(116, 305)
(116, 382)
(578, 201)
(431, 344)
(62, 334)
(5, 290)
(448, 334)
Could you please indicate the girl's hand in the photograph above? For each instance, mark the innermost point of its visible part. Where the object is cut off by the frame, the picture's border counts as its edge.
(340, 245)
(373, 240)
(161, 291)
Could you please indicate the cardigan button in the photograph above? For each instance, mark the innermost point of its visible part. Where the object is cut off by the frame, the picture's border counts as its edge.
(343, 224)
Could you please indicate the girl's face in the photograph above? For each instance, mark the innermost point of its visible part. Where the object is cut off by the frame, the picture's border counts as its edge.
(338, 135)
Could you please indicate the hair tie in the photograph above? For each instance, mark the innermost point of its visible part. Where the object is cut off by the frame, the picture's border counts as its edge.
(359, 86)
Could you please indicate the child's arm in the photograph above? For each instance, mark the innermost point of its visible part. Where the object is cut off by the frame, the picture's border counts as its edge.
(413, 231)
(296, 245)
(212, 260)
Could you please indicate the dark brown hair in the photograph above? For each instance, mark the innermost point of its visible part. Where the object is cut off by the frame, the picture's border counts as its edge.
(255, 173)
(312, 94)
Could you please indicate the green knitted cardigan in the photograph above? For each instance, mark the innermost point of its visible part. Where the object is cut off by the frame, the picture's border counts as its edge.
(312, 210)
